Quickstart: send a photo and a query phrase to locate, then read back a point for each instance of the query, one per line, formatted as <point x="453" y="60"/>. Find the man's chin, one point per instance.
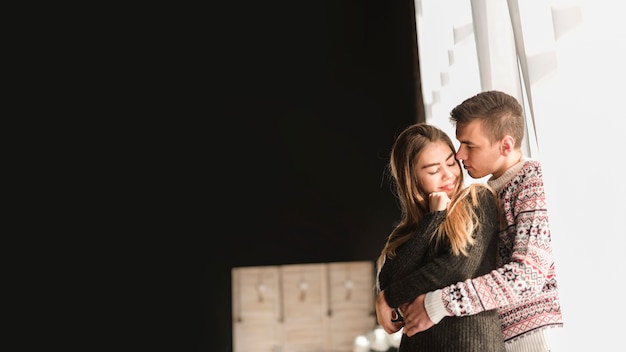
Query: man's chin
<point x="475" y="175"/>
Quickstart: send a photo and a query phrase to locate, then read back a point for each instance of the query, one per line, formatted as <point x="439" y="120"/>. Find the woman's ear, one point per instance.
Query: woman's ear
<point x="507" y="144"/>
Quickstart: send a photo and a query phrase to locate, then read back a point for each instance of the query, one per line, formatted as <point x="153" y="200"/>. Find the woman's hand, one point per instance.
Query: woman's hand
<point x="385" y="315"/>
<point x="438" y="201"/>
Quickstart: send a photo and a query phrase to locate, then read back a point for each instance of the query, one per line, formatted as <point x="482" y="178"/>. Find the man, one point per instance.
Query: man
<point x="490" y="129"/>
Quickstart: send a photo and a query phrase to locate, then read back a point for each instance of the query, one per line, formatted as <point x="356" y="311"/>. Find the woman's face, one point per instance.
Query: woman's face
<point x="437" y="169"/>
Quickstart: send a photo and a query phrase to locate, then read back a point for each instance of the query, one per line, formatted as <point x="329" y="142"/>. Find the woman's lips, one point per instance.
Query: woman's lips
<point x="448" y="187"/>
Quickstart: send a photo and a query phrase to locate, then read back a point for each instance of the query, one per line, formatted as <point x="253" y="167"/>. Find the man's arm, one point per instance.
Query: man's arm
<point x="525" y="250"/>
<point x="447" y="268"/>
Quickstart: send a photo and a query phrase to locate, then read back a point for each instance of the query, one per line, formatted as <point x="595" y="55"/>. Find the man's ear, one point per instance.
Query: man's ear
<point x="507" y="144"/>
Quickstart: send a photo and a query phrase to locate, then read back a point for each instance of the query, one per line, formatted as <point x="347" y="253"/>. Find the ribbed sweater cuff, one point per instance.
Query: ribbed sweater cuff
<point x="434" y="306"/>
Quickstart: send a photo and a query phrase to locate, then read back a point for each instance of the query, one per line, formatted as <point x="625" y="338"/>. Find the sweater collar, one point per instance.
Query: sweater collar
<point x="498" y="183"/>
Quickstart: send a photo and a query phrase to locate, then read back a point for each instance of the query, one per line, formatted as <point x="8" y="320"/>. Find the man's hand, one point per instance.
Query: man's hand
<point x="384" y="315"/>
<point x="415" y="317"/>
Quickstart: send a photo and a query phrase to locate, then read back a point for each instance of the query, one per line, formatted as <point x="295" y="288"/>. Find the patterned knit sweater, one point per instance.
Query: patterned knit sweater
<point x="524" y="287"/>
<point x="419" y="267"/>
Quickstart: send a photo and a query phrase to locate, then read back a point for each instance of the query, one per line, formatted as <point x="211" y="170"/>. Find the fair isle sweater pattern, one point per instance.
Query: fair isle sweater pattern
<point x="524" y="287"/>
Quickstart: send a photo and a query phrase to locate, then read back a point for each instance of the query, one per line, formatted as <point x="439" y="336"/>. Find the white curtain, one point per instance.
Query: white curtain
<point x="565" y="60"/>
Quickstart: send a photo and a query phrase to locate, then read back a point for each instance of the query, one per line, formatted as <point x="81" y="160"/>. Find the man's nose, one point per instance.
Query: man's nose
<point x="460" y="154"/>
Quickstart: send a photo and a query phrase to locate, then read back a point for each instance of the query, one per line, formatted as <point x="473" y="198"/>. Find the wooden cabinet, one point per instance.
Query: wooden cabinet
<point x="351" y="304"/>
<point x="319" y="307"/>
<point x="257" y="309"/>
<point x="305" y="302"/>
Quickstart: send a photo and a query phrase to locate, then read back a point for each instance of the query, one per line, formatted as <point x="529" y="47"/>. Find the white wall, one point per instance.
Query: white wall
<point x="580" y="144"/>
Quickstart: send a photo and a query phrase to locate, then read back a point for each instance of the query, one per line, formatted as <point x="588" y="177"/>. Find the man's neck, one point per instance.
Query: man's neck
<point x="510" y="160"/>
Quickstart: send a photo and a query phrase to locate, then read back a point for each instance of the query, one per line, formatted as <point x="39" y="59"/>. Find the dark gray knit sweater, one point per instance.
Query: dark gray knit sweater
<point x="419" y="268"/>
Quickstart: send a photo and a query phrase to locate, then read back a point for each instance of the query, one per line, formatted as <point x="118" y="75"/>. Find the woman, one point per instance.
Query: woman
<point x="447" y="234"/>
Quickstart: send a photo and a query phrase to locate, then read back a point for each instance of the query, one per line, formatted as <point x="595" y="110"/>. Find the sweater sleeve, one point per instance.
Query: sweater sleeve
<point x="525" y="250"/>
<point x="446" y="268"/>
<point x="410" y="254"/>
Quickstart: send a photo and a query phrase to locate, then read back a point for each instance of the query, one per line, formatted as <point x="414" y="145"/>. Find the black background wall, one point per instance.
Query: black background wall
<point x="311" y="96"/>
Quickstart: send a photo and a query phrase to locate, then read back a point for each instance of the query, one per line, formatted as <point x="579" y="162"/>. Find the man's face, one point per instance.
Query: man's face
<point x="480" y="158"/>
